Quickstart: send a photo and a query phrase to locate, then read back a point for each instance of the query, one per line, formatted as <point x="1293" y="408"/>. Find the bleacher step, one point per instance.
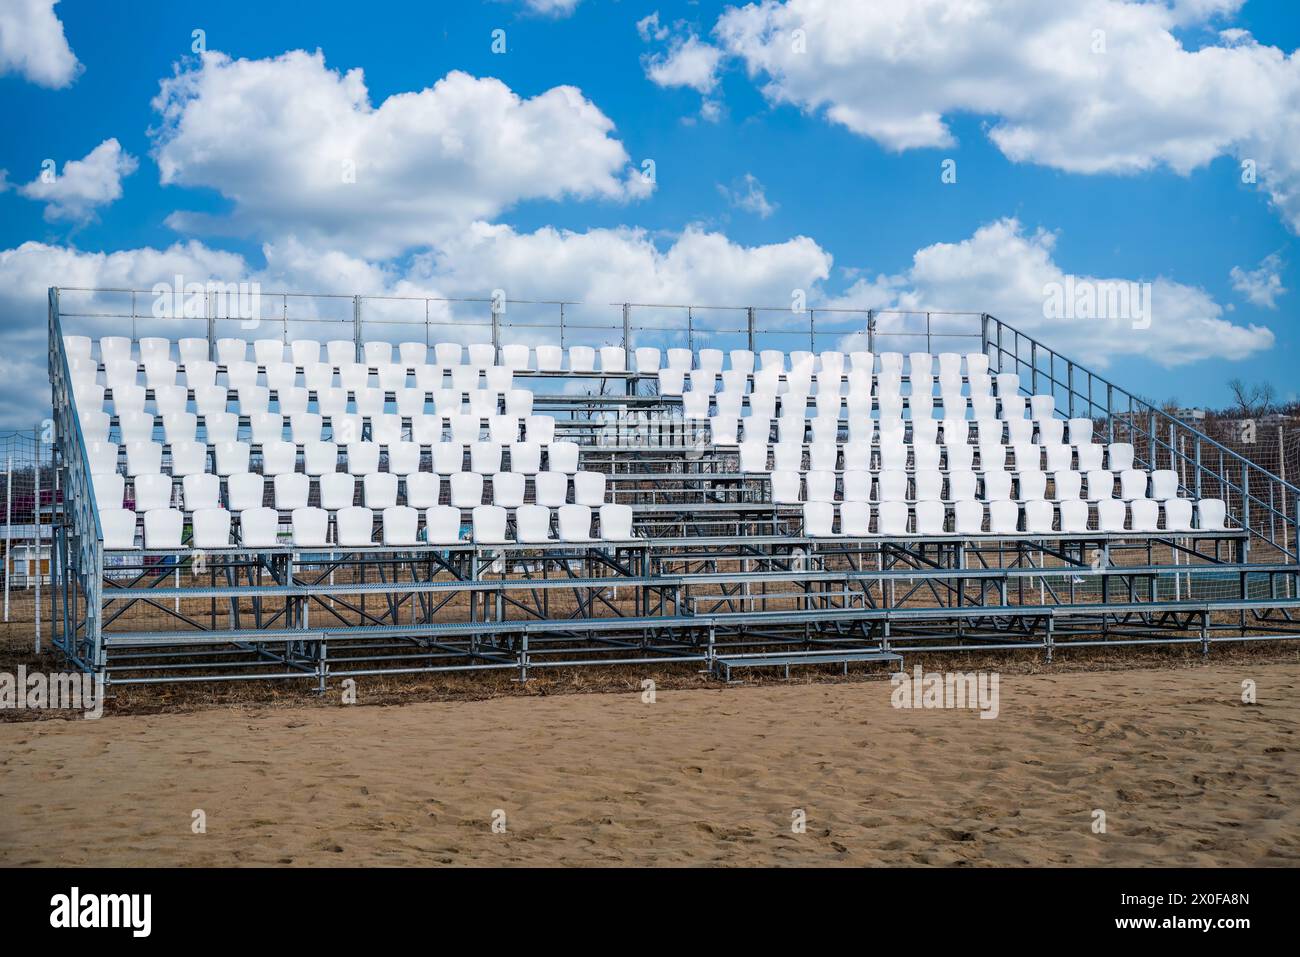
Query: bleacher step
<point x="724" y="664"/>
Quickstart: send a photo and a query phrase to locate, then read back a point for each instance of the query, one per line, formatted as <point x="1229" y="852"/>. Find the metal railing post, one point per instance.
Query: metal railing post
<point x="356" y="325"/>
<point x="871" y="331"/>
<point x="749" y="327"/>
<point x="627" y="327"/>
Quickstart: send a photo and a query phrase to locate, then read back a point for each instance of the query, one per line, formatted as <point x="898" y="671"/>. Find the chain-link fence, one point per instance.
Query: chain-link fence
<point x="29" y="496"/>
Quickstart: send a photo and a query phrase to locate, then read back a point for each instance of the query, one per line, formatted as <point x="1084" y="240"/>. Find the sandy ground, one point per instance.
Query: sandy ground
<point x="1185" y="773"/>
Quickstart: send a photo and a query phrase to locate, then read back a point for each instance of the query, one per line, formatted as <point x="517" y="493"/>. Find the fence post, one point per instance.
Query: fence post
<point x="356" y="325"/>
<point x="871" y="331"/>
<point x="627" y="328"/>
<point x="36" y="447"/>
<point x="749" y="326"/>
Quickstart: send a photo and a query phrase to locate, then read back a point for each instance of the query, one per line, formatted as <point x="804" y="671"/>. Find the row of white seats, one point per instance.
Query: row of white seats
<point x="726" y="430"/>
<point x="996" y="485"/>
<point x="858" y="455"/>
<point x="354" y="527"/>
<point x="306" y="427"/>
<point x="252" y="399"/>
<point x="549" y="358"/>
<point x="771" y="382"/>
<point x="320" y="458"/>
<point x="335" y="490"/>
<point x="1010" y="518"/>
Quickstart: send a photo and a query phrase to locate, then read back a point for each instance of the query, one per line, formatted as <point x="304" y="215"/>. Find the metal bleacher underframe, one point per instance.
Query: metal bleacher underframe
<point x="719" y="577"/>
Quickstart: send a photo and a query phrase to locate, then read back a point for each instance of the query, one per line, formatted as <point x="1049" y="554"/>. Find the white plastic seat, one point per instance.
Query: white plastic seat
<point x="1101" y="484"/>
<point x="201" y="490"/>
<point x="377" y="353"/>
<point x="818" y="519"/>
<point x="1164" y="484"/>
<point x="412" y="354"/>
<point x="466" y="489"/>
<point x="785" y="488"/>
<point x="118" y="527"/>
<point x="128" y="398"/>
<point x="426" y="429"/>
<point x="403" y="458"/>
<point x="997" y="485"/>
<point x="1080" y="431"/>
<point x="159" y="373"/>
<point x="152" y="490"/>
<point x="1178" y="514"/>
<point x="968" y="517"/>
<point x="337" y="490"/>
<point x="480" y="355"/>
<point x="959" y="458"/>
<point x="1060" y="458"/>
<point x="533" y="524"/>
<point x="142" y="458"/>
<point x="519" y="403"/>
<point x="379" y="489"/>
<point x="1004" y="517"/>
<point x="490" y="525"/>
<point x="241" y="375"/>
<point x="245" y="490"/>
<point x="1111" y="515"/>
<point x="961" y="485"/>
<point x="525" y="457"/>
<point x="821" y="486"/>
<point x="672" y="380"/>
<point x="422" y="489"/>
<point x="855" y="519"/>
<point x="857" y="454"/>
<point x="94" y="426"/>
<point x="892" y="485"/>
<point x="508" y="489"/>
<point x="109" y="489"/>
<point x="401" y="526"/>
<point x="929" y="484"/>
<point x="1014" y="407"/>
<point x="310" y="527"/>
<point x="162" y="528"/>
<point x="260" y="528"/>
<point x="616" y="523"/>
<point x="574" y="523"/>
<point x="135" y="427"/>
<point x="1133" y="484"/>
<point x="1211" y="514"/>
<point x="1041" y="407"/>
<point x="1040" y="517"/>
<point x="363" y="458"/>
<point x="1066" y="485"/>
<point x="291" y="490"/>
<point x="549" y="358"/>
<point x="465" y="429"/>
<point x="211" y="528"/>
<point x="753" y="456"/>
<point x="540" y="429"/>
<point x="613" y="359"/>
<point x="442" y="525"/>
<point x="1032" y="485"/>
<point x="448" y="457"/>
<point x="354" y="526"/>
<point x="823" y="456"/>
<point x="695" y="404"/>
<point x="647" y="360"/>
<point x="447" y="354"/>
<point x="1090" y="456"/>
<point x="562" y="457"/>
<point x="320" y="458"/>
<point x="589" y="488"/>
<point x="1144" y="515"/>
<point x="485" y="457"/>
<point x="551" y="488"/>
<point x="787" y="456"/>
<point x="483" y="403"/>
<point x="514" y="356"/>
<point x="930" y="516"/>
<point x="1051" y="432"/>
<point x="1119" y="456"/>
<point x="892" y="517"/>
<point x="857" y="486"/>
<point x="723" y="429"/>
<point x="1074" y="516"/>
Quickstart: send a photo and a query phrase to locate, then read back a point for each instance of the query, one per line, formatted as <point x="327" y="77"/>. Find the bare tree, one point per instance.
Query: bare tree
<point x="1253" y="401"/>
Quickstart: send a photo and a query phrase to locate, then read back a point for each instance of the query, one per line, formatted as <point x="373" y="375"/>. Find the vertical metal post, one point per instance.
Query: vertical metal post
<point x="929" y="347"/>
<point x="356" y="325"/>
<point x="871" y="331"/>
<point x="984" y="333"/>
<point x="1033" y="366"/>
<point x="561" y="325"/>
<point x="36" y="447"/>
<point x="212" y="326"/>
<point x="496" y="325"/>
<point x="627" y="328"/>
<point x="9" y="527"/>
<point x="749" y="327"/>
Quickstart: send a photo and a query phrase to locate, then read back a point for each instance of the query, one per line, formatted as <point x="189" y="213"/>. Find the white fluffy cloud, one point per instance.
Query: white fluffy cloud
<point x="748" y="194"/>
<point x="1007" y="272"/>
<point x="32" y="44"/>
<point x="85" y="184"/>
<point x="1086" y="86"/>
<point x="552" y="8"/>
<point x="299" y="150"/>
<point x="1262" y="285"/>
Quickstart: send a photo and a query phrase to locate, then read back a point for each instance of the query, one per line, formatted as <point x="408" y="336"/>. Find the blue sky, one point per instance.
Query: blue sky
<point x="868" y="205"/>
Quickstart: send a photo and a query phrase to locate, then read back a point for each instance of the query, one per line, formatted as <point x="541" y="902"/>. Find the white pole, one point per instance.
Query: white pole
<point x="9" y="526"/>
<point x="37" y="606"/>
